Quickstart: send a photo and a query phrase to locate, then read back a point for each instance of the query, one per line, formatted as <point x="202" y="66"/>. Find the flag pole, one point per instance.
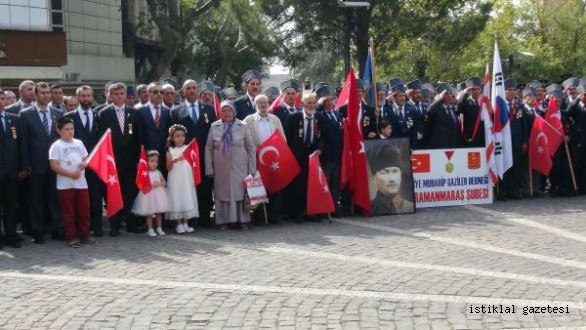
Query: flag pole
<point x="571" y="166"/>
<point x="264" y="208"/>
<point x="330" y="218"/>
<point x="530" y="179"/>
<point x="91" y="155"/>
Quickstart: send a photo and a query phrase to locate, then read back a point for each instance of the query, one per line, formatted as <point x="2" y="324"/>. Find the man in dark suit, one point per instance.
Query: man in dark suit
<point x="156" y="120"/>
<point x="86" y="129"/>
<point x="469" y="108"/>
<point x="126" y="127"/>
<point x="245" y="104"/>
<point x="12" y="159"/>
<point x="404" y="118"/>
<point x="333" y="142"/>
<point x="369" y="128"/>
<point x="414" y="99"/>
<point x="441" y="124"/>
<point x="39" y="132"/>
<point x="26" y="93"/>
<point x="197" y="118"/>
<point x="57" y="96"/>
<point x="303" y="130"/>
<point x="289" y="89"/>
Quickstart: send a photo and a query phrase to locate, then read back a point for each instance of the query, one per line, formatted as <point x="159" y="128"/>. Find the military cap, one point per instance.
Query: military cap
<point x="444" y="87"/>
<point x="557" y="94"/>
<point x="414" y="84"/>
<point x="131" y="90"/>
<point x="383" y="157"/>
<point x="324" y="90"/>
<point x="473" y="81"/>
<point x="217" y="90"/>
<point x="272" y="91"/>
<point x="427" y="86"/>
<point x="206" y="85"/>
<point x="461" y="86"/>
<point x="394" y="82"/>
<point x="290" y="83"/>
<point x="554" y="87"/>
<point x="534" y="84"/>
<point x="425" y="93"/>
<point x="319" y="84"/>
<point x="381" y="86"/>
<point x="171" y="82"/>
<point x="227" y="92"/>
<point x="582" y="81"/>
<point x="400" y="88"/>
<point x="511" y="83"/>
<point x="529" y="91"/>
<point x="359" y="84"/>
<point x="250" y="74"/>
<point x="580" y="89"/>
<point x="571" y="82"/>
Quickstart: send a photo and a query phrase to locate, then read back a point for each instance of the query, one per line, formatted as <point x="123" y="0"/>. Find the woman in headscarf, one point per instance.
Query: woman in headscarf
<point x="230" y="157"/>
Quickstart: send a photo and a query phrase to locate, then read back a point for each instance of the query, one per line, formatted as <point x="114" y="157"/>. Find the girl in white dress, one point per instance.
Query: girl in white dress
<point x="155" y="202"/>
<point x="182" y="194"/>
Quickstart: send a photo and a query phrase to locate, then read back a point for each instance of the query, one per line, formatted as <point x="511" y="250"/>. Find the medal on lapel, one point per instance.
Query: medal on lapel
<point x="205" y="115"/>
<point x="366" y="121"/>
<point x="300" y="129"/>
<point x="13" y="130"/>
<point x="130" y="128"/>
<point x="316" y="130"/>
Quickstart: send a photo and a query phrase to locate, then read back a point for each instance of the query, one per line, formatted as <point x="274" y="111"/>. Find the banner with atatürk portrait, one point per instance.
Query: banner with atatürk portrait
<point x="390" y="178"/>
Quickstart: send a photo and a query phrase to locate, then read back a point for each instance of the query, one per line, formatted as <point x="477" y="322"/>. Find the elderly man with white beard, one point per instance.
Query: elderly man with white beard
<point x="262" y="125"/>
<point x="303" y="130"/>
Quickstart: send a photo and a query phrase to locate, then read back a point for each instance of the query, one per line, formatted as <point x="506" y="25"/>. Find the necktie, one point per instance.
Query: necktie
<point x="120" y="115"/>
<point x="308" y="131"/>
<point x="157" y="116"/>
<point x="194" y="114"/>
<point x="3" y="128"/>
<point x="87" y="121"/>
<point x="401" y="113"/>
<point x="331" y="116"/>
<point x="451" y="114"/>
<point x="291" y="110"/>
<point x="45" y="122"/>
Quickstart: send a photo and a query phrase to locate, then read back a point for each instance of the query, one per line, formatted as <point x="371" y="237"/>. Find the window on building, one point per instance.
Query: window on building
<point x="25" y="15"/>
<point x="57" y="15"/>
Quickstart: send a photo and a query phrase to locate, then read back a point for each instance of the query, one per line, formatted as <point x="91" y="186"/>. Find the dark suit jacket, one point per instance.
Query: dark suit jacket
<point x="36" y="140"/>
<point x="471" y="112"/>
<point x="243" y="107"/>
<point x="155" y="138"/>
<point x="282" y="111"/>
<point x="126" y="144"/>
<point x="441" y="131"/>
<point x="295" y="135"/>
<point x="368" y="118"/>
<point x="200" y="130"/>
<point x="89" y="139"/>
<point x="408" y="126"/>
<point x="333" y="138"/>
<point x="519" y="124"/>
<point x="14" y="108"/>
<point x="13" y="153"/>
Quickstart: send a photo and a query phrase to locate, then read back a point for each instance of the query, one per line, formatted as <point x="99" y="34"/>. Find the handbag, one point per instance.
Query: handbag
<point x="246" y="204"/>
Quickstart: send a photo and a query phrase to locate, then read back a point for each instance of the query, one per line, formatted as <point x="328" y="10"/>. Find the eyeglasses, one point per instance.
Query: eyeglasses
<point x="169" y="93"/>
<point x="156" y="91"/>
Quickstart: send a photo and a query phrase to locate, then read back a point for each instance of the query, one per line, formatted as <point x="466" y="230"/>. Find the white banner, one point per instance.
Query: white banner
<point x="446" y="177"/>
<point x="255" y="189"/>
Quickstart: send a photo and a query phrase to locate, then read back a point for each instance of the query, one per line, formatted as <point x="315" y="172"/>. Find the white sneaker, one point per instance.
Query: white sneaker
<point x="180" y="229"/>
<point x="151" y="233"/>
<point x="160" y="232"/>
<point x="187" y="228"/>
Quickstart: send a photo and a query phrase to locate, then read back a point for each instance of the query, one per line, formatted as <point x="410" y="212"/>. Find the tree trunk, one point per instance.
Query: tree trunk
<point x="362" y="40"/>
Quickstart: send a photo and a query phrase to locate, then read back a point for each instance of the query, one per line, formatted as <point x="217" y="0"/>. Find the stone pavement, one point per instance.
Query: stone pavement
<point x="432" y="269"/>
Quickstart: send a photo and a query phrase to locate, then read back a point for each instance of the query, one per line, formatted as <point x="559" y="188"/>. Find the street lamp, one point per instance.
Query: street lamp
<point x="349" y="5"/>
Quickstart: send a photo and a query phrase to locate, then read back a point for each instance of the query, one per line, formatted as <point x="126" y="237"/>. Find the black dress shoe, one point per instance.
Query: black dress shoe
<point x="114" y="232"/>
<point x="98" y="232"/>
<point x="14" y="244"/>
<point x="39" y="238"/>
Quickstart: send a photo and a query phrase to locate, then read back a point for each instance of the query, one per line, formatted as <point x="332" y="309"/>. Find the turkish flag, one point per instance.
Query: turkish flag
<point x="421" y="163"/>
<point x="217" y="105"/>
<point x="360" y="189"/>
<point x="276" y="163"/>
<point x="344" y="94"/>
<point x="191" y="155"/>
<point x="553" y="117"/>
<point x="101" y="161"/>
<point x="143" y="180"/>
<point x="346" y="166"/>
<point x="298" y="100"/>
<point x="539" y="156"/>
<point x="319" y="198"/>
<point x="275" y="104"/>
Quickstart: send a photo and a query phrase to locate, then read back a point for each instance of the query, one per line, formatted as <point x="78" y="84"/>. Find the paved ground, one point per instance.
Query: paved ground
<point x="427" y="270"/>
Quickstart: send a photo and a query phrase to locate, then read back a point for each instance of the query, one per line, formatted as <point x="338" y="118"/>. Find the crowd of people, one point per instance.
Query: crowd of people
<point x="45" y="137"/>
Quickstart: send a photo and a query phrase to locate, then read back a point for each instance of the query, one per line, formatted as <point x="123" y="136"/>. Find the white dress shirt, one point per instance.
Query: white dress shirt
<point x="305" y="116"/>
<point x="82" y="112"/>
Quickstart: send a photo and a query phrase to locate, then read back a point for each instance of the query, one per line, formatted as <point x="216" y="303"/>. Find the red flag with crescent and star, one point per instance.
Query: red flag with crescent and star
<point x="539" y="156"/>
<point x="191" y="155"/>
<point x="319" y="198"/>
<point x="359" y="178"/>
<point x="143" y="180"/>
<point x="276" y="103"/>
<point x="276" y="163"/>
<point x="101" y="161"/>
<point x="553" y="117"/>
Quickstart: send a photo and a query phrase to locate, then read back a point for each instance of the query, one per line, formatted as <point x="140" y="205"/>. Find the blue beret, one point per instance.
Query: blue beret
<point x="554" y="87"/>
<point x="400" y="88"/>
<point x="415" y="84"/>
<point x="324" y="90"/>
<point x="272" y="91"/>
<point x="227" y="92"/>
<point x="571" y="82"/>
<point x="534" y="83"/>
<point x="381" y="86"/>
<point x="529" y="91"/>
<point x="131" y="90"/>
<point x="394" y="82"/>
<point x="425" y="93"/>
<point x="206" y="85"/>
<point x="511" y="83"/>
<point x="444" y="87"/>
<point x="473" y="81"/>
<point x="291" y="83"/>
